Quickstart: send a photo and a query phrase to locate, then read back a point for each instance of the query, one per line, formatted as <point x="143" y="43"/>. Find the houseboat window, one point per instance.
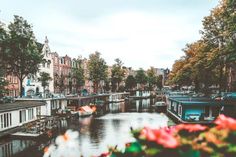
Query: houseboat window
<point x="22" y="116"/>
<point x="169" y="106"/>
<point x="5" y="120"/>
<point x="30" y="114"/>
<point x="180" y="110"/>
<point x="1" y="118"/>
<point x="175" y="107"/>
<point x="38" y="111"/>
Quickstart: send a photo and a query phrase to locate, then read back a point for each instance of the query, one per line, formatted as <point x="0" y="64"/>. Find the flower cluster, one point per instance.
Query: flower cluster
<point x="66" y="145"/>
<point x="183" y="140"/>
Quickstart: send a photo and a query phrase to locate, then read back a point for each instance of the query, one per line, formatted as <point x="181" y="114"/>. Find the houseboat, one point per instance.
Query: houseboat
<point x="52" y="105"/>
<point x="14" y="115"/>
<point x="160" y="106"/>
<point x="85" y="106"/>
<point x="141" y="95"/>
<point x="118" y="97"/>
<point x="196" y="109"/>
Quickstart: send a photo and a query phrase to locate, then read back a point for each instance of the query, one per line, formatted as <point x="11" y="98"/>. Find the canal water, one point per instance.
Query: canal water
<point x="95" y="133"/>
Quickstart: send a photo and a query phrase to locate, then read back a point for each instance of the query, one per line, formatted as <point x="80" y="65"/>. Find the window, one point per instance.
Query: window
<point x="175" y="106"/>
<point x="169" y="105"/>
<point x="62" y="60"/>
<point x="22" y="116"/>
<point x="5" y="120"/>
<point x="38" y="111"/>
<point x="180" y="110"/>
<point x="30" y="114"/>
<point x="48" y="64"/>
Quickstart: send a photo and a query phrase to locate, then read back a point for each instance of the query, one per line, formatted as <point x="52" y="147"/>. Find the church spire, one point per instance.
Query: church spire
<point x="46" y="40"/>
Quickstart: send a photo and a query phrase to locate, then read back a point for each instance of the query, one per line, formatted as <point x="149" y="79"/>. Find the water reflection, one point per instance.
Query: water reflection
<point x="10" y="147"/>
<point x="97" y="133"/>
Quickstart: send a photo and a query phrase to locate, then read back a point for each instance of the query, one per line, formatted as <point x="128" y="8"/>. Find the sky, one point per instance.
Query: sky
<point x="142" y="33"/>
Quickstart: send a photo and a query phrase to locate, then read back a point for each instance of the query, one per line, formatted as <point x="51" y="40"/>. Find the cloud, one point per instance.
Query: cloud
<point x="139" y="39"/>
<point x="138" y="36"/>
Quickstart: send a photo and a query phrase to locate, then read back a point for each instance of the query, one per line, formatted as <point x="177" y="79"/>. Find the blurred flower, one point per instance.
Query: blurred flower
<point x="191" y="127"/>
<point x="211" y="137"/>
<point x="224" y="122"/>
<point x="65" y="145"/>
<point x="160" y="136"/>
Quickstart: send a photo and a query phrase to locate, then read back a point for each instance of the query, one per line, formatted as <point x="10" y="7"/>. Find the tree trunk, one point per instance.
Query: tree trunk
<point x="221" y="79"/>
<point x="95" y="87"/>
<point x="21" y="87"/>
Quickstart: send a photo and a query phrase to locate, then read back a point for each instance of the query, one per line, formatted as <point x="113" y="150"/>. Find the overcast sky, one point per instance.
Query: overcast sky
<point x="142" y="33"/>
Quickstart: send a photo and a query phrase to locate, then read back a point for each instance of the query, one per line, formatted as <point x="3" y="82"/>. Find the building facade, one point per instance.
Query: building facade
<point x="13" y="86"/>
<point x="32" y="86"/>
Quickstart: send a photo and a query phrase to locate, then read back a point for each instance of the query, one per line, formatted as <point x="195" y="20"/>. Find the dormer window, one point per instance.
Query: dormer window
<point x="48" y="64"/>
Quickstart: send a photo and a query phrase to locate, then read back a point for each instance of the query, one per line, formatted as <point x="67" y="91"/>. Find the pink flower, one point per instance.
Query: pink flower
<point x="160" y="136"/>
<point x="224" y="122"/>
<point x="191" y="127"/>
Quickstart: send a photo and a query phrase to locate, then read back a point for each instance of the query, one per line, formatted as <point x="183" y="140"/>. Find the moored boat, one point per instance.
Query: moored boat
<point x="160" y="106"/>
<point x="196" y="109"/>
<point x="86" y="110"/>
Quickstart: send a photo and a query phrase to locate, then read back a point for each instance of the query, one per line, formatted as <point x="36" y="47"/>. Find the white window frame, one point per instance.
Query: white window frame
<point x="30" y="113"/>
<point x="21" y="118"/>
<point x="5" y="120"/>
<point x="175" y="106"/>
<point x="180" y="108"/>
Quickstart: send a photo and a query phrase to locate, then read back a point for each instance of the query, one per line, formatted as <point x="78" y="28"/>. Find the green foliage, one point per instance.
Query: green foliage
<point x="78" y="75"/>
<point x="141" y="77"/>
<point x="183" y="140"/>
<point x="117" y="74"/>
<point x="130" y="82"/>
<point x="3" y="82"/>
<point x="44" y="79"/>
<point x="151" y="78"/>
<point x="97" y="69"/>
<point x="20" y="51"/>
<point x="206" y="62"/>
<point x="159" y="81"/>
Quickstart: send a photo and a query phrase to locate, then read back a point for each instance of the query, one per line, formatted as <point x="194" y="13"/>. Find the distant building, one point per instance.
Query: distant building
<point x="31" y="84"/>
<point x="88" y="86"/>
<point x="13" y="86"/>
<point x="164" y="73"/>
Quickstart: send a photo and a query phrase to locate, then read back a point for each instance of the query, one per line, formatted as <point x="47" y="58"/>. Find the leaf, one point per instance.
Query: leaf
<point x="134" y="147"/>
<point x="190" y="153"/>
<point x="152" y="151"/>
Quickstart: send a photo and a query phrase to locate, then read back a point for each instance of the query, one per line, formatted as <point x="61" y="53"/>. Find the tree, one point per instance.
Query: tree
<point x="141" y="77"/>
<point x="117" y="74"/>
<point x="159" y="82"/>
<point x="44" y="79"/>
<point x="78" y="75"/>
<point x="21" y="54"/>
<point x="130" y="82"/>
<point x="151" y="78"/>
<point x="106" y="86"/>
<point x="97" y="69"/>
<point x="3" y="82"/>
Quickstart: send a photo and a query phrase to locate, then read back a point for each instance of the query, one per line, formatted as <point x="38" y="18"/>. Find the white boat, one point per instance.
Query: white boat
<point x="160" y="106"/>
<point x="86" y="111"/>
